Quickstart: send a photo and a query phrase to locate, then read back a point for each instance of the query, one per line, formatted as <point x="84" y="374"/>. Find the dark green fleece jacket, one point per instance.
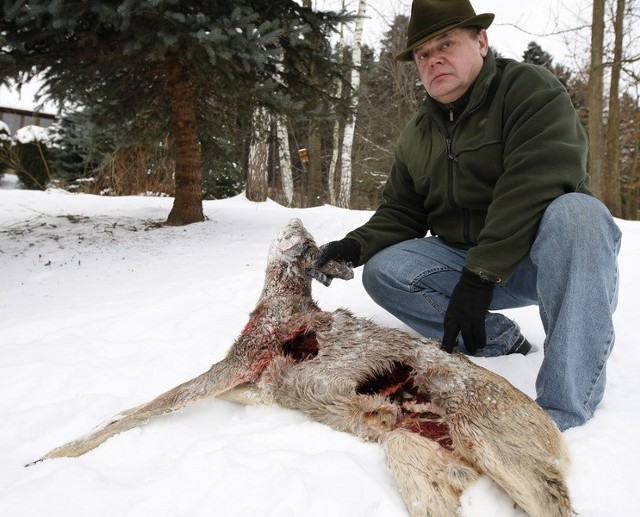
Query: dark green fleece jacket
<point x="483" y="181"/>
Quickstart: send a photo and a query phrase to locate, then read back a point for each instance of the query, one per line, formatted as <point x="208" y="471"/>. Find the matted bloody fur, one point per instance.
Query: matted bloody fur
<point x="443" y="420"/>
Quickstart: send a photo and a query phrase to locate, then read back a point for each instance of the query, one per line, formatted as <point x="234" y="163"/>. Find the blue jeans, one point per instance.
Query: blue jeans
<point x="570" y="273"/>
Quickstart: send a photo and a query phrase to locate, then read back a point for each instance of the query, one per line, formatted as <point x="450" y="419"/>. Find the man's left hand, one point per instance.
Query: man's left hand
<point x="467" y="312"/>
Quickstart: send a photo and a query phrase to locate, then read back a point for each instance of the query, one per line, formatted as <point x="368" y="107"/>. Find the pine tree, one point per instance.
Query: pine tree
<point x="148" y="66"/>
<point x="536" y="56"/>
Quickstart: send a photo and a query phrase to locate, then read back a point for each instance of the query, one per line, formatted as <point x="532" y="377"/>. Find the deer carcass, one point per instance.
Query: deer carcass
<point x="442" y="419"/>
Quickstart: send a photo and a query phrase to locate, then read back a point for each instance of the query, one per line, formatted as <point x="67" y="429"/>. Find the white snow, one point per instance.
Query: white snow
<point x="101" y="311"/>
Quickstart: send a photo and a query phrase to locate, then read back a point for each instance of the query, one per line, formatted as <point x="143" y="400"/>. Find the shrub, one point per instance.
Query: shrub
<point x="5" y="146"/>
<point x="29" y="157"/>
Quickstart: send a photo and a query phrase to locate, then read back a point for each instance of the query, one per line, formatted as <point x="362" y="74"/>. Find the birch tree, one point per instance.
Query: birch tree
<point x="336" y="128"/>
<point x="344" y="195"/>
<point x="257" y="167"/>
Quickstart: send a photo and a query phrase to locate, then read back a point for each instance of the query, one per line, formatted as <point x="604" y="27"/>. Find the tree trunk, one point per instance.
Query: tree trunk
<point x="344" y="196"/>
<point x="315" y="187"/>
<point x="634" y="195"/>
<point x="284" y="152"/>
<point x="187" y="204"/>
<point x="314" y="191"/>
<point x="335" y="155"/>
<point x="595" y="86"/>
<point x="612" y="185"/>
<point x="333" y="167"/>
<point x="284" y="155"/>
<point x="258" y="167"/>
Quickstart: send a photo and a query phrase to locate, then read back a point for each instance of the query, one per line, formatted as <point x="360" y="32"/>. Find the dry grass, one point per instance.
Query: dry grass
<point x="134" y="171"/>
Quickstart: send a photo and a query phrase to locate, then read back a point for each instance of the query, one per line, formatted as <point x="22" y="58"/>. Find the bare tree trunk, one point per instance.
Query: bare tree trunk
<point x="632" y="197"/>
<point x="314" y="194"/>
<point x="187" y="204"/>
<point x="333" y="199"/>
<point x="344" y="196"/>
<point x="258" y="166"/>
<point x="284" y="154"/>
<point x="596" y="102"/>
<point x="333" y="168"/>
<point x="315" y="187"/>
<point x="612" y="178"/>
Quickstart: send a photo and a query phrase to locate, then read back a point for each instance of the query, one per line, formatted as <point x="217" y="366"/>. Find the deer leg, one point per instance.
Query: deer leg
<point x="533" y="478"/>
<point x="248" y="394"/>
<point x="503" y="433"/>
<point x="429" y="478"/>
<point x="220" y="378"/>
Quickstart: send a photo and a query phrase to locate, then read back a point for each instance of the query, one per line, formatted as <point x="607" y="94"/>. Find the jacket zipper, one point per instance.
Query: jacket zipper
<point x="452" y="159"/>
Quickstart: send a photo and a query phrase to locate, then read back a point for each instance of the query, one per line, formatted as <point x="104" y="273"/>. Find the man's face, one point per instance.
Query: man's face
<point x="448" y="64"/>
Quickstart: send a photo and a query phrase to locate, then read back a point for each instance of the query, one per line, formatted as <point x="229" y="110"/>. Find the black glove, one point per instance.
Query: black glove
<point x="345" y="250"/>
<point x="467" y="311"/>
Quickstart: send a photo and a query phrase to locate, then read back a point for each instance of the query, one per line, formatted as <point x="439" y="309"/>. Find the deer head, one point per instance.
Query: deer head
<point x="290" y="263"/>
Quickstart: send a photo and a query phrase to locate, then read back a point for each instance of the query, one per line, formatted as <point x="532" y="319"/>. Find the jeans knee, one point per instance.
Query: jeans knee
<point x="573" y="208"/>
<point x="373" y="273"/>
<point x="369" y="276"/>
<point x="580" y="218"/>
<point x="381" y="276"/>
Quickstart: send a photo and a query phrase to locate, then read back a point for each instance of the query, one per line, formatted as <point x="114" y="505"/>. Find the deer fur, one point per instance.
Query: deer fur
<point x="443" y="420"/>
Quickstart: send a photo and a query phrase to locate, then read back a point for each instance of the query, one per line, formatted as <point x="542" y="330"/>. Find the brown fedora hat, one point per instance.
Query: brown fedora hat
<point x="430" y="18"/>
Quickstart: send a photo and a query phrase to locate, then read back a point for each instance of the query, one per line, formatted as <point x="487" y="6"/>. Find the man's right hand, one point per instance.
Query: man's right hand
<point x="346" y="251"/>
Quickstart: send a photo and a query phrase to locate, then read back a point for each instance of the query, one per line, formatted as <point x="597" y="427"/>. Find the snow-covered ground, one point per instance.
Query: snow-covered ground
<point x="102" y="310"/>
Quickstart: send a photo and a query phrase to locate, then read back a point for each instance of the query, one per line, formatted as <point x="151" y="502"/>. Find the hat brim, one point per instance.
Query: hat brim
<point x="481" y="20"/>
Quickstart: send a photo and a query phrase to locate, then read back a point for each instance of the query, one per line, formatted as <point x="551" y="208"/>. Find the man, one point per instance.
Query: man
<point x="493" y="166"/>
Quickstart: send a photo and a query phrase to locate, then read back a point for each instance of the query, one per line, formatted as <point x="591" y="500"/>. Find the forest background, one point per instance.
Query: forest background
<point x="286" y="101"/>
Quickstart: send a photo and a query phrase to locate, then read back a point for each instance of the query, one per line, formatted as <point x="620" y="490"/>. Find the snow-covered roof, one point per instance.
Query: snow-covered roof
<point x="23" y="98"/>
